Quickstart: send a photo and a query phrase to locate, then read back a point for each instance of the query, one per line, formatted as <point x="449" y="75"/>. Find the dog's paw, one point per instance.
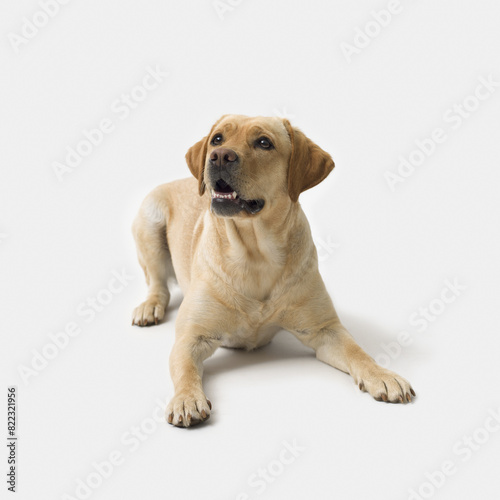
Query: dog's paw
<point x="385" y="385"/>
<point x="186" y="410"/>
<point x="149" y="312"/>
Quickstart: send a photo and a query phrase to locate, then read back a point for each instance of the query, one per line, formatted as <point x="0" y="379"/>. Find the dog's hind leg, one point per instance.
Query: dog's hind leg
<point x="149" y="230"/>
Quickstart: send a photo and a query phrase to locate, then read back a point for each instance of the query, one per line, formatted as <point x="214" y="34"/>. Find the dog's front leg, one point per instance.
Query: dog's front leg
<point x="195" y="342"/>
<point x="189" y="406"/>
<point x="315" y="323"/>
<point x="335" y="346"/>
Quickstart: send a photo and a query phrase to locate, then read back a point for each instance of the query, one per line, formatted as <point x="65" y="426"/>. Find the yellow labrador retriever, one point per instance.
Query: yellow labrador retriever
<point x="240" y="247"/>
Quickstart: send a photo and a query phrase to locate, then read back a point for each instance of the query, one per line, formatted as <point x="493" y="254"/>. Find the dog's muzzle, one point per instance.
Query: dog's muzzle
<point x="223" y="166"/>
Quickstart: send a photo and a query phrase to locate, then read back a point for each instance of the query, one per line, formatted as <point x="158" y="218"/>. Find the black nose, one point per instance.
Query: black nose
<point x="222" y="157"/>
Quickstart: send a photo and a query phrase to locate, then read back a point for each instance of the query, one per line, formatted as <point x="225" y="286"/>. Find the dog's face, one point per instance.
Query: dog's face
<point x="250" y="165"/>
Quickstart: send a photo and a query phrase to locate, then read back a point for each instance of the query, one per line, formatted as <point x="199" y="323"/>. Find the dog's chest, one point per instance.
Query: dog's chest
<point x="247" y="337"/>
<point x="253" y="323"/>
<point x="257" y="286"/>
<point x="255" y="276"/>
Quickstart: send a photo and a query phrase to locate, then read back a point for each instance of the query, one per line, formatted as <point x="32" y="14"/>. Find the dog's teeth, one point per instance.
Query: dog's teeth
<point x="231" y="196"/>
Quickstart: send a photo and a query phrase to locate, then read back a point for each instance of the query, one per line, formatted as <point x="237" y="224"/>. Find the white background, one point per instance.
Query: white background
<point x="384" y="253"/>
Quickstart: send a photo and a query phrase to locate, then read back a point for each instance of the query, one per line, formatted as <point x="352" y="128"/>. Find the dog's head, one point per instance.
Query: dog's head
<point x="251" y="164"/>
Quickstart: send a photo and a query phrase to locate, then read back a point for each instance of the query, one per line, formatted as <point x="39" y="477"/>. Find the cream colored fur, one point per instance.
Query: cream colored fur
<point x="245" y="277"/>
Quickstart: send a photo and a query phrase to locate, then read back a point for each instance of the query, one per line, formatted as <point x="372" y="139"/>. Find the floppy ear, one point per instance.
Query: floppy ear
<point x="308" y="164"/>
<point x="195" y="158"/>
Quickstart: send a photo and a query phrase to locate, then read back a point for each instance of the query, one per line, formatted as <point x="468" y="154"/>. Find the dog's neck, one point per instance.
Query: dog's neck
<point x="256" y="252"/>
<point x="266" y="236"/>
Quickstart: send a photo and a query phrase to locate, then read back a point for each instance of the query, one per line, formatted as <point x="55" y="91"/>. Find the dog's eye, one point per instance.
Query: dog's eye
<point x="216" y="140"/>
<point x="264" y="143"/>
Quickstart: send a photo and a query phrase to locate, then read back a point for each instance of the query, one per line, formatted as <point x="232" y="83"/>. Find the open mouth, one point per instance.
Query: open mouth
<point x="223" y="193"/>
